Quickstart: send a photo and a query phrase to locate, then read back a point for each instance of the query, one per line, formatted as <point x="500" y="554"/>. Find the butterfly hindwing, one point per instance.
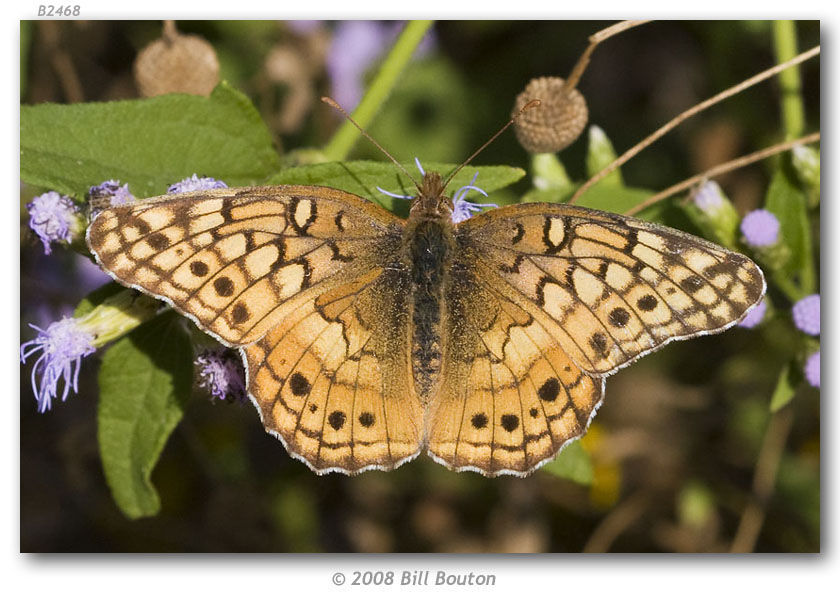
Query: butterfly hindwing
<point x="611" y="288"/>
<point x="234" y="259"/>
<point x="332" y="380"/>
<point x="510" y="397"/>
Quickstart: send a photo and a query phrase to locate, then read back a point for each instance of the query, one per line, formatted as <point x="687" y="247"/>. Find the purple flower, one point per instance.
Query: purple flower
<point x="806" y="314"/>
<point x="812" y="369"/>
<point x="222" y="374"/>
<point x="462" y="209"/>
<point x="355" y="46"/>
<point x="754" y="316"/>
<point x="112" y="192"/>
<point x="51" y="217"/>
<point x="760" y="228"/>
<point x="63" y="345"/>
<point x="709" y="197"/>
<point x="195" y="184"/>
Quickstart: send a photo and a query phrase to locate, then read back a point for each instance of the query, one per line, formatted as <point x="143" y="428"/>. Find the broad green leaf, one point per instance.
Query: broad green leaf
<point x="362" y="178"/>
<point x="619" y="199"/>
<point x="144" y="383"/>
<point x="149" y="143"/>
<point x="789" y="380"/>
<point x="549" y="195"/>
<point x="97" y="297"/>
<point x="573" y="463"/>
<point x="788" y="202"/>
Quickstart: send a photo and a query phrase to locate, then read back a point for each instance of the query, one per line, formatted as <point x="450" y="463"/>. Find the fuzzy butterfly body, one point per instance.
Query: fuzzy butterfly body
<point x="367" y="338"/>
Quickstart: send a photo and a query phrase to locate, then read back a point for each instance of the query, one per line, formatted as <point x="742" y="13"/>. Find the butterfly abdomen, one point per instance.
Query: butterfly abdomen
<point x="429" y="247"/>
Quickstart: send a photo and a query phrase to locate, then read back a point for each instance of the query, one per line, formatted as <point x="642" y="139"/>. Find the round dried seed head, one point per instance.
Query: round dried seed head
<point x="177" y="63"/>
<point x="556" y="122"/>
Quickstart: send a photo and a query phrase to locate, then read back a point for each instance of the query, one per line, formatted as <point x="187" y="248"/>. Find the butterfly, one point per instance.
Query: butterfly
<point x="367" y="338"/>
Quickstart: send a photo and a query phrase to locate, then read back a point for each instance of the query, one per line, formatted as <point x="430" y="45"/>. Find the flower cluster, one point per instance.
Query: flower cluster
<point x="754" y="316"/>
<point x="461" y="208"/>
<point x="53" y="217"/>
<point x="806" y="318"/>
<point x="62" y="345"/>
<point x="812" y="369"/>
<point x="760" y="228"/>
<point x="806" y="314"/>
<point x="222" y="375"/>
<point x="715" y="214"/>
<point x="355" y="46"/>
<point x="110" y="192"/>
<point x="195" y="184"/>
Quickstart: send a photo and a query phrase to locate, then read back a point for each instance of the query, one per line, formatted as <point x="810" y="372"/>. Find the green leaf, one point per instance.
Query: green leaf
<point x="149" y="143"/>
<point x="789" y="380"/>
<point x="619" y="199"/>
<point x="144" y="383"/>
<point x="573" y="463"/>
<point x="599" y="155"/>
<point x="362" y="177"/>
<point x="788" y="202"/>
<point x="97" y="297"/>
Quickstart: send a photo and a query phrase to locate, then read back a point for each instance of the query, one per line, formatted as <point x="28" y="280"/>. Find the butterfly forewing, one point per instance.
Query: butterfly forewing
<point x="611" y="288"/>
<point x="237" y="260"/>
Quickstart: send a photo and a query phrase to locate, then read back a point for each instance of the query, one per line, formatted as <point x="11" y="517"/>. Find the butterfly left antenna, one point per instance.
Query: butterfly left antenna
<point x="532" y="104"/>
<point x="337" y="106"/>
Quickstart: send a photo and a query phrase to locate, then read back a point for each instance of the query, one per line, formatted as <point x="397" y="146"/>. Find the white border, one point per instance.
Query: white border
<point x="290" y="577"/>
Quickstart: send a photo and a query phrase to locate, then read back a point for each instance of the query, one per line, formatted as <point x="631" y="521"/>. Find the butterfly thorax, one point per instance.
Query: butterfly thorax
<point x="429" y="242"/>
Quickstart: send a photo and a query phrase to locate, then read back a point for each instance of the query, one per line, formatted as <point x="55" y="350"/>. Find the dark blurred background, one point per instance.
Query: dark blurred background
<point x="675" y="445"/>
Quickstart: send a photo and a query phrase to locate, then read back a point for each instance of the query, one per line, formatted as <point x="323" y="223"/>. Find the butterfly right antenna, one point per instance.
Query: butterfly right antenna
<point x="532" y="104"/>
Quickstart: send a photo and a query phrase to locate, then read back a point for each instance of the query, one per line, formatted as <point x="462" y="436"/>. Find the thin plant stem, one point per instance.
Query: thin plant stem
<point x="731" y="165"/>
<point x="595" y="39"/>
<point x="616" y="522"/>
<point x="793" y="110"/>
<point x="342" y="142"/>
<point x="689" y="113"/>
<point x="793" y="120"/>
<point x="764" y="480"/>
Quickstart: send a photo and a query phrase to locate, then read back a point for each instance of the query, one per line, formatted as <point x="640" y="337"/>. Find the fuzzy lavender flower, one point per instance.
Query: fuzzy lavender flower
<point x="760" y="228"/>
<point x="812" y="369"/>
<point x="52" y="217"/>
<point x="195" y="184"/>
<point x="222" y="375"/>
<point x="806" y="314"/>
<point x="462" y="209"/>
<point x="709" y="197"/>
<point x="755" y="316"/>
<point x="111" y="192"/>
<point x="62" y="346"/>
<point x="355" y="46"/>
